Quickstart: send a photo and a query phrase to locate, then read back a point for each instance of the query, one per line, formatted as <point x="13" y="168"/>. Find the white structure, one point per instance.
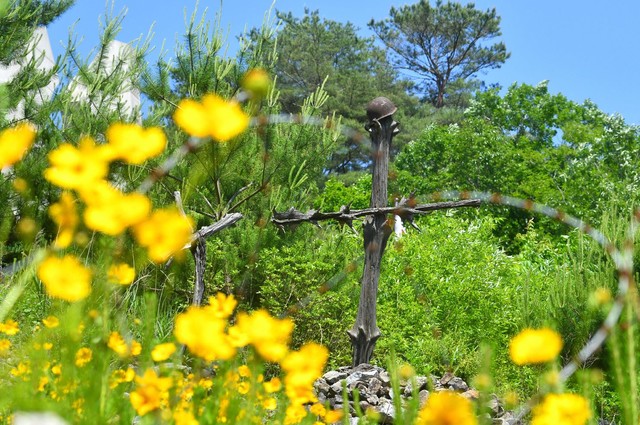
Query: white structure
<point x="118" y="55"/>
<point x="41" y="54"/>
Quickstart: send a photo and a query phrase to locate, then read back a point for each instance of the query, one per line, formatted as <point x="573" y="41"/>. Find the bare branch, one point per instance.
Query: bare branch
<point x="346" y="216"/>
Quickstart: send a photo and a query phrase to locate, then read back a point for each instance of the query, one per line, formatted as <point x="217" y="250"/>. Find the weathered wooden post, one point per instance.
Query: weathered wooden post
<point x="377" y="226"/>
<point x="377" y="229"/>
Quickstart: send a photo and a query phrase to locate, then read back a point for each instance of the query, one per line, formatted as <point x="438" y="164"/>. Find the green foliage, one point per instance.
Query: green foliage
<point x="336" y="193"/>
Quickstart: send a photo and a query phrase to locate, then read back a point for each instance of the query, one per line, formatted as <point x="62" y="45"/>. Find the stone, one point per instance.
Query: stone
<point x="495" y="405"/>
<point x="448" y="376"/>
<point x="372" y="399"/>
<point x="333" y="376"/>
<point x="457" y="384"/>
<point x="387" y="411"/>
<point x="321" y="386"/>
<point x="423" y="396"/>
<point x="375" y="386"/>
<point x="421" y="384"/>
<point x="471" y="394"/>
<point x="336" y="388"/>
<point x="385" y="378"/>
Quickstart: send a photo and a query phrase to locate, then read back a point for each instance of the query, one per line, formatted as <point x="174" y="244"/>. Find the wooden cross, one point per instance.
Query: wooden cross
<point x="377" y="227"/>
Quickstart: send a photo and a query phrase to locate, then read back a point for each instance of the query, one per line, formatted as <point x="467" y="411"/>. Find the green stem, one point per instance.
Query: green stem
<point x="19" y="287"/>
<point x="631" y="358"/>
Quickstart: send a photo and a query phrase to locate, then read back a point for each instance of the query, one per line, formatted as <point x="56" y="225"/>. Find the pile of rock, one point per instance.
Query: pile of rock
<point x="373" y="385"/>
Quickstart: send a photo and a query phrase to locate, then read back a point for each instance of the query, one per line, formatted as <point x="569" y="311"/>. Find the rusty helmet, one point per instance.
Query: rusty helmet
<point x="379" y="108"/>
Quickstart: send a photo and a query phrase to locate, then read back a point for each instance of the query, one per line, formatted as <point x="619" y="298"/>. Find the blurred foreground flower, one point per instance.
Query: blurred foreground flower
<point x="134" y="144"/>
<point x="213" y="117"/>
<point x="73" y="168"/>
<point x="535" y="346"/>
<point x="447" y="408"/>
<point x="121" y="273"/>
<point x="561" y="409"/>
<point x="162" y="352"/>
<point x="14" y="142"/>
<point x="65" y="278"/>
<point x="269" y="336"/>
<point x="152" y="392"/>
<point x="204" y="334"/>
<point x="10" y="327"/>
<point x="257" y="82"/>
<point x="164" y="233"/>
<point x="64" y="214"/>
<point x="110" y="211"/>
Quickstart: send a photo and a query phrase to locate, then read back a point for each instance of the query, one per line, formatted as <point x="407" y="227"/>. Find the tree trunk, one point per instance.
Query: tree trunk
<point x="377" y="230"/>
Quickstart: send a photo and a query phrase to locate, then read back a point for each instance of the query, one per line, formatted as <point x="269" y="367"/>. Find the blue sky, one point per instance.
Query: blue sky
<point x="586" y="49"/>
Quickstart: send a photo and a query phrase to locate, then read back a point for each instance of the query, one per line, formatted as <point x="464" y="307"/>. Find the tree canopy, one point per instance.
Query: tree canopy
<point x="442" y="44"/>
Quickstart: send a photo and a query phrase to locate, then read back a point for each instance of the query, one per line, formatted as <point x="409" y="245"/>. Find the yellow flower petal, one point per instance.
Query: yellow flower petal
<point x="14" y="142"/>
<point x="65" y="278"/>
<point x="535" y="346"/>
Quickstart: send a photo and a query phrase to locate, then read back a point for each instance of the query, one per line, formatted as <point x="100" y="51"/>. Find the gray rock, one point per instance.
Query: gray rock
<point x="321" y="386"/>
<point x="333" y="376"/>
<point x="375" y="386"/>
<point x="336" y="388"/>
<point x="372" y="399"/>
<point x="457" y="384"/>
<point x="387" y="411"/>
<point x="421" y="384"/>
<point x="423" y="396"/>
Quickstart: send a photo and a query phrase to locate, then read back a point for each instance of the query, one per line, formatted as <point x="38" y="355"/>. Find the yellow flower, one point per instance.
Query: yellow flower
<point x="119" y="376"/>
<point x="270" y="403"/>
<point x="14" y="142"/>
<point x="272" y="386"/>
<point x="269" y="336"/>
<point x="136" y="348"/>
<point x="214" y="116"/>
<point x="73" y="168"/>
<point x="184" y="417"/>
<point x="117" y="343"/>
<point x="10" y="327"/>
<point x="318" y="409"/>
<point x="20" y="185"/>
<point x="151" y="393"/>
<point x="406" y="371"/>
<point x="256" y="82"/>
<point x="135" y="144"/>
<point x="244" y="371"/>
<point x="302" y="369"/>
<point x="5" y="344"/>
<point x="164" y="233"/>
<point x="222" y="306"/>
<point x="121" y="273"/>
<point x="51" y="322"/>
<point x="535" y="346"/>
<point x="203" y="334"/>
<point x="65" y="278"/>
<point x="22" y="369"/>
<point x="447" y="408"/>
<point x="162" y="352"/>
<point x="243" y="387"/>
<point x="333" y="416"/>
<point x="56" y="369"/>
<point x="110" y="211"/>
<point x="47" y="346"/>
<point x="64" y="214"/>
<point x="83" y="356"/>
<point x="561" y="409"/>
<point x="295" y="413"/>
